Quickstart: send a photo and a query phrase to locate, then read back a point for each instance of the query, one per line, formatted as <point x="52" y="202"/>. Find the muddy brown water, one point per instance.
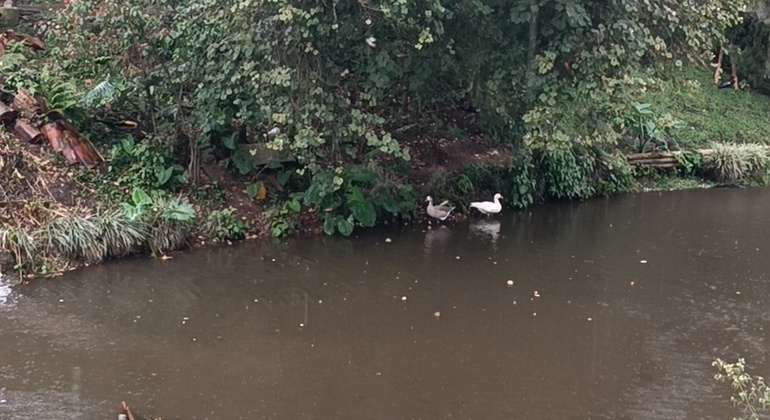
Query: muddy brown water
<point x="333" y="328"/>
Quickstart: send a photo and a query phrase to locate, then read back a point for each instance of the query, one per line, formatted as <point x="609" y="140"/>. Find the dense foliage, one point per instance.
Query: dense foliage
<point x="332" y="85"/>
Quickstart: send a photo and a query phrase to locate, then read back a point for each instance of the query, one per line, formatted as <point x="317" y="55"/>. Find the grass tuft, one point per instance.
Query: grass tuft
<point x="733" y="163"/>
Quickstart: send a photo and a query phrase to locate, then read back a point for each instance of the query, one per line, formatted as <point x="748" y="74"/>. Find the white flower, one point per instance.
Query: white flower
<point x="274" y="132"/>
<point x="371" y="41"/>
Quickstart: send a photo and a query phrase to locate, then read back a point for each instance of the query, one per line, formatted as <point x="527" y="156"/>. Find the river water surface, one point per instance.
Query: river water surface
<point x="616" y="311"/>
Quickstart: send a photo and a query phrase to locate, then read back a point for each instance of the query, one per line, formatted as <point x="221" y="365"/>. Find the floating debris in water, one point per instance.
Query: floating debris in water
<point x="301" y="324"/>
<point x="61" y="300"/>
<point x="437" y="314"/>
<point x="403" y="298"/>
<point x="537" y="294"/>
<point x="510" y="283"/>
<point x="194" y="339"/>
<point x="590" y="319"/>
<point x="632" y="284"/>
<point x="534" y="313"/>
<point x="388" y="240"/>
<point x="643" y="261"/>
<point x="457" y="257"/>
<point x="737" y="293"/>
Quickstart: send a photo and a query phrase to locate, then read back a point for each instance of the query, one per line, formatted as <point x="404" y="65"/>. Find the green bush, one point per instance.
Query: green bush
<point x="223" y="225"/>
<point x="327" y="84"/>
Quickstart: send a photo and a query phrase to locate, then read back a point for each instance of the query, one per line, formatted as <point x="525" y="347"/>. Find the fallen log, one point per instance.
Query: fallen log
<point x="648" y="155"/>
<point x="27" y="132"/>
<point x="653" y="161"/>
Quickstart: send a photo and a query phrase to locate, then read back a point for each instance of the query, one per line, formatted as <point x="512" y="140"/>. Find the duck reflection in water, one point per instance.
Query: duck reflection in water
<point x="436" y="238"/>
<point x="487" y="228"/>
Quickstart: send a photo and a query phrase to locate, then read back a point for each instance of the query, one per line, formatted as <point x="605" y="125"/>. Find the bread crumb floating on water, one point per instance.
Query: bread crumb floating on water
<point x="509" y="283"/>
<point x="437" y="314"/>
<point x="403" y="298"/>
<point x="590" y="319"/>
<point x="388" y="240"/>
<point x="537" y="294"/>
<point x="643" y="261"/>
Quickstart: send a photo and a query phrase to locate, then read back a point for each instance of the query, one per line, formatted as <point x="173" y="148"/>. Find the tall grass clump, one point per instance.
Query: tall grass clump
<point x="120" y="235"/>
<point x="20" y="243"/>
<point x="734" y="163"/>
<point x="74" y="237"/>
<point x="62" y="240"/>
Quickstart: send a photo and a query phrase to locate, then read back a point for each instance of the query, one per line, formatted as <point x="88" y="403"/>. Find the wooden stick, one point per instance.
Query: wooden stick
<point x="126" y="410"/>
<point x="734" y="68"/>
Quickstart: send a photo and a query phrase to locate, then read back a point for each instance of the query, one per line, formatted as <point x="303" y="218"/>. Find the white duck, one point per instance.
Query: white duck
<point x="440" y="212"/>
<point x="489" y="207"/>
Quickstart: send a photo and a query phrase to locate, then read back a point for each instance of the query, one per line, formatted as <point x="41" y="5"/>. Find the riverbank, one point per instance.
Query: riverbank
<point x="153" y="188"/>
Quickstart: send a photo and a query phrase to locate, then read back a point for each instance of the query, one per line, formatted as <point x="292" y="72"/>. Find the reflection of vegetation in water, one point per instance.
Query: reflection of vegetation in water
<point x="750" y="392"/>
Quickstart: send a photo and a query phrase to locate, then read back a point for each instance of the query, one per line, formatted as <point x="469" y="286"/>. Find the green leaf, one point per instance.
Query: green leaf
<point x="330" y="226"/>
<point x="283" y="177"/>
<point x="180" y="211"/>
<point x="252" y="190"/>
<point x="356" y="195"/>
<point x="243" y="162"/>
<point x="164" y="175"/>
<point x="391" y="206"/>
<point x="140" y="198"/>
<point x="294" y="205"/>
<point x="344" y="226"/>
<point x="364" y="212"/>
<point x="229" y="141"/>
